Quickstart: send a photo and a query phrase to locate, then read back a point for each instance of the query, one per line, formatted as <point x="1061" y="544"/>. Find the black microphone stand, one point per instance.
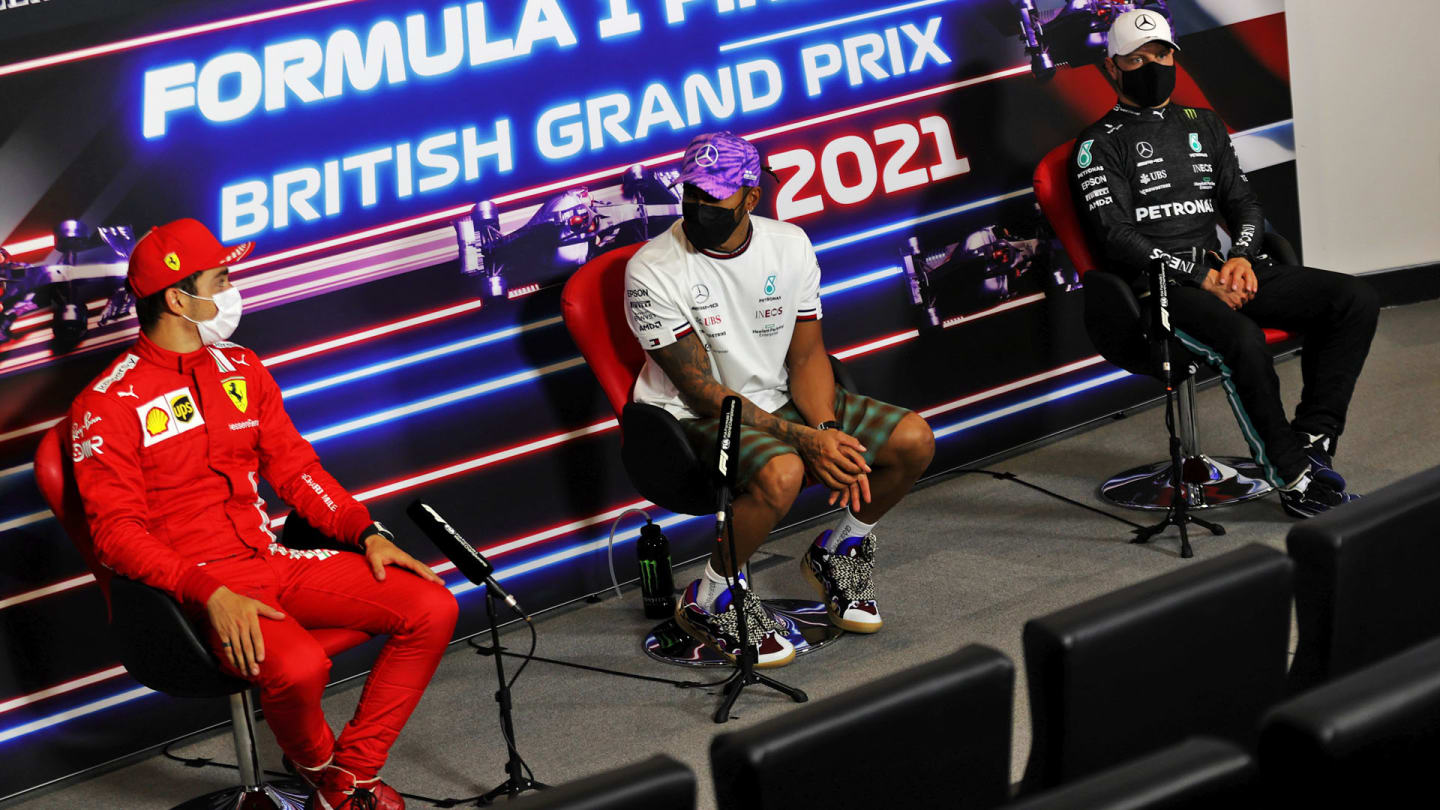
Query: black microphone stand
<point x="744" y="674"/>
<point x="1178" y="514"/>
<point x="515" y="781"/>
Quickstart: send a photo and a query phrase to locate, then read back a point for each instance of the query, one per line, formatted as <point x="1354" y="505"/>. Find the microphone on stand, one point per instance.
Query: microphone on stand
<point x="1160" y="328"/>
<point x="471" y="563"/>
<point x="727" y="457"/>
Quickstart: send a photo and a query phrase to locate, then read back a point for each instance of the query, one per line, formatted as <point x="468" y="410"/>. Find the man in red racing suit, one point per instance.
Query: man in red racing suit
<point x="168" y="443"/>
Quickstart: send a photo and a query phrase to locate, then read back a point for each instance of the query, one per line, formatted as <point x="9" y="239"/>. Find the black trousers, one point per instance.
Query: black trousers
<point x="1336" y="314"/>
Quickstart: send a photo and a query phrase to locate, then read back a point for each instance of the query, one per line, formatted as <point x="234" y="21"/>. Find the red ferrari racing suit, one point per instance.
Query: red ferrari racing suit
<point x="167" y="450"/>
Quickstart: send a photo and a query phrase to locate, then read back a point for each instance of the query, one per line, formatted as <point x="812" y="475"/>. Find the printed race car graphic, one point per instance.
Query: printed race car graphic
<point x="992" y="265"/>
<point x="567" y="230"/>
<point x="91" y="267"/>
<point x="1074" y="33"/>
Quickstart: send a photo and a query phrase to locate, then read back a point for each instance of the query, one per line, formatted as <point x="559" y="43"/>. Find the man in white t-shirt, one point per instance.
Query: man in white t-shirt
<point x="728" y="303"/>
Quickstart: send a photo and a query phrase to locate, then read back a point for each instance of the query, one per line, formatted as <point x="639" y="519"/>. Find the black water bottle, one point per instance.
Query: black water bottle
<point x="657" y="584"/>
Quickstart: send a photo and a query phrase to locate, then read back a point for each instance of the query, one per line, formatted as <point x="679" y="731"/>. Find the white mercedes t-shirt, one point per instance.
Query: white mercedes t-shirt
<point x="744" y="307"/>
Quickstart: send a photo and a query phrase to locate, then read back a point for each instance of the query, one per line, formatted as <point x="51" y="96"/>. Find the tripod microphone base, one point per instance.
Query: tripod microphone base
<point x="742" y="678"/>
<point x="1174" y="518"/>
<point x="511" y="788"/>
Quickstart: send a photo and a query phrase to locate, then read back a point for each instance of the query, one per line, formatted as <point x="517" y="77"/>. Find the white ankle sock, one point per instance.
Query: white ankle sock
<point x="849" y="526"/>
<point x="712" y="585"/>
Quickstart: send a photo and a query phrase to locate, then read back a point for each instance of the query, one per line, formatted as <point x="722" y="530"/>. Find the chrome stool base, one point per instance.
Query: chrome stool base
<point x="284" y="795"/>
<point x="1213" y="482"/>
<point x="808" y="628"/>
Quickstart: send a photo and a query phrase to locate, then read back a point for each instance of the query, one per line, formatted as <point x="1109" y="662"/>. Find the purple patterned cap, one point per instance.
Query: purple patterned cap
<point x="719" y="163"/>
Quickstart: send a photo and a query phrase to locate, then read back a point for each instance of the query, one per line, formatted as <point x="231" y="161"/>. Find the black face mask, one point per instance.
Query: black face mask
<point x="708" y="226"/>
<point x="1148" y="85"/>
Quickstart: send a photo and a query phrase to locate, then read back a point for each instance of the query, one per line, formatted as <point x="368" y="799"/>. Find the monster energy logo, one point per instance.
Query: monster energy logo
<point x="1190" y="113"/>
<point x="650" y="577"/>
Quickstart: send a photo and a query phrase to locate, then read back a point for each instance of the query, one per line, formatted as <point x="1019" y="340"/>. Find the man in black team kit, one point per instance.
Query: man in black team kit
<point x="1152" y="180"/>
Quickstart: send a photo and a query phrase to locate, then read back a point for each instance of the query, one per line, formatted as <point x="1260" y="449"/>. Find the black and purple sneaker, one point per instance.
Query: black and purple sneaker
<point x="1322" y="464"/>
<point x="1312" y="496"/>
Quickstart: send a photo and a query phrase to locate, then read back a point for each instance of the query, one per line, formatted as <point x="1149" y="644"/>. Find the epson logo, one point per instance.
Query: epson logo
<point x="1166" y="210"/>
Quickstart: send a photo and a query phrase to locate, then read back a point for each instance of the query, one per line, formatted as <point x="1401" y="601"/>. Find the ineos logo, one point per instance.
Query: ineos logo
<point x="1145" y="149"/>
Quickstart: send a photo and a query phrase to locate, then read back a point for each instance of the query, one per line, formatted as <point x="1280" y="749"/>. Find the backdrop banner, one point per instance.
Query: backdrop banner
<point x="421" y="177"/>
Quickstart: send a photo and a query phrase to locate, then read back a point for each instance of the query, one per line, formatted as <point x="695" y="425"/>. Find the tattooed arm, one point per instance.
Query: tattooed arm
<point x="687" y="363"/>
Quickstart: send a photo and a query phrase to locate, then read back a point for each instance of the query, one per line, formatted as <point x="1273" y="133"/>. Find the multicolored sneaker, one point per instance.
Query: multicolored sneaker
<point x="720" y="630"/>
<point x="1322" y="464"/>
<point x="843" y="580"/>
<point x="340" y="790"/>
<point x="1311" y="496"/>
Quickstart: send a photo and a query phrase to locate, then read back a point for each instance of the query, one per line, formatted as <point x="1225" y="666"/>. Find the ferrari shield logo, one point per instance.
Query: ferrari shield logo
<point x="172" y="261"/>
<point x="235" y="389"/>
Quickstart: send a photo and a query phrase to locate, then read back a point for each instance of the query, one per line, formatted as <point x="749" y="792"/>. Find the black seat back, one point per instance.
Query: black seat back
<point x="658" y="783"/>
<point x="1113" y="322"/>
<point x="160" y="647"/>
<point x="1198" y="774"/>
<point x="1199" y="651"/>
<point x="1365" y="579"/>
<point x="1368" y="739"/>
<point x="936" y="735"/>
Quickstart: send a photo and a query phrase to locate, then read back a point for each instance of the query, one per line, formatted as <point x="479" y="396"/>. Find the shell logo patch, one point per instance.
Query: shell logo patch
<point x="157" y="421"/>
<point x="168" y="415"/>
<point x="172" y="261"/>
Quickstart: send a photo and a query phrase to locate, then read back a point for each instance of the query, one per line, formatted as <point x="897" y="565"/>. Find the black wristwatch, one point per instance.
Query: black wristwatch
<point x="829" y="424"/>
<point x="377" y="528"/>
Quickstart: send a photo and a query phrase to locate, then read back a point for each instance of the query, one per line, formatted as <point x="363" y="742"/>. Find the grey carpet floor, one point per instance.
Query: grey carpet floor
<point x="967" y="559"/>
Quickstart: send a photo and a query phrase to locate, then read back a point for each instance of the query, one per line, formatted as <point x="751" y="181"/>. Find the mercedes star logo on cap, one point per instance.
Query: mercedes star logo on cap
<point x="1144" y="23"/>
<point x="707" y="157"/>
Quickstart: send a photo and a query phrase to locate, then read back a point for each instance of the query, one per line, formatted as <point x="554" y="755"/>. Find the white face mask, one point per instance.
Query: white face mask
<point x="222" y="326"/>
